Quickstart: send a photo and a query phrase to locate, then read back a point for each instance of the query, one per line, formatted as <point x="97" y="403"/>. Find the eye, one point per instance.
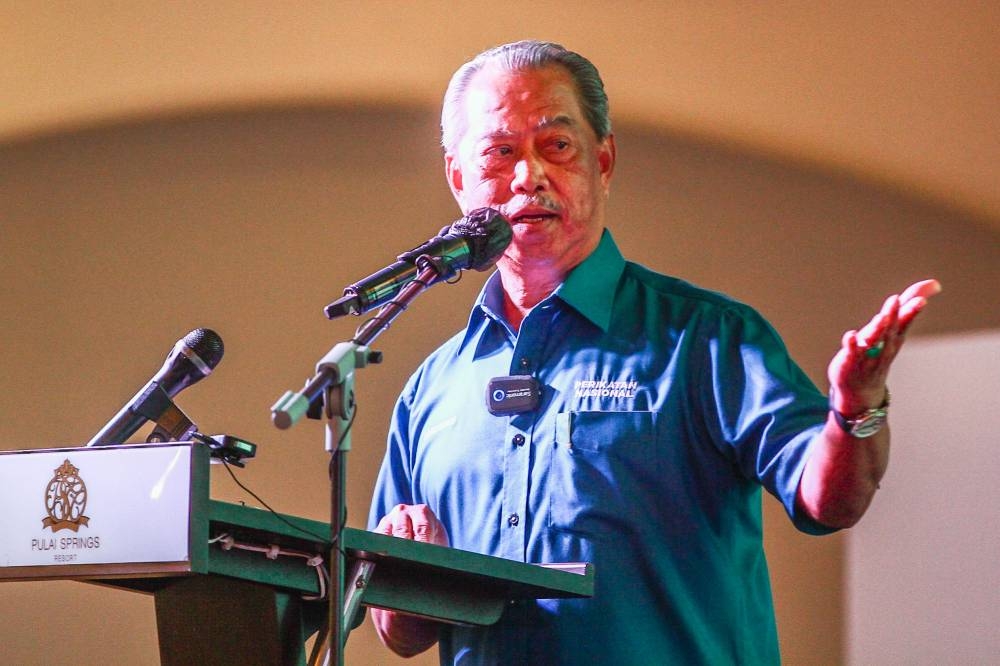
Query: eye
<point x="499" y="151"/>
<point x="559" y="149"/>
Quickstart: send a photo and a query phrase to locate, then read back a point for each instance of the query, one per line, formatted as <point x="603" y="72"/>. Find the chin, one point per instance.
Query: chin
<point x="532" y="256"/>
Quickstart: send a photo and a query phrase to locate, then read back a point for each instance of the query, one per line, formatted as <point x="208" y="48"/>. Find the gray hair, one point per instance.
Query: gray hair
<point x="523" y="55"/>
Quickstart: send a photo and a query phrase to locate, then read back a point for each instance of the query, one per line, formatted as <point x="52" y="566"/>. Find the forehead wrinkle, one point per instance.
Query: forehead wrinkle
<point x="495" y="95"/>
<point x="561" y="120"/>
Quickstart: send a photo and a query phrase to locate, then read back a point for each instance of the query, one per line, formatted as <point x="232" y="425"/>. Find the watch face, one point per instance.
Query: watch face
<point x="868" y="425"/>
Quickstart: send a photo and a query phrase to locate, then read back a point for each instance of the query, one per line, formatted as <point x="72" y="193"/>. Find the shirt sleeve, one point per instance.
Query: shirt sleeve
<point x="763" y="408"/>
<point x="393" y="485"/>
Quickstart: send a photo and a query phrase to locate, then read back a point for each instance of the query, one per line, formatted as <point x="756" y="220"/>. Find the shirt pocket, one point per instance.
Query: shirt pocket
<point x="604" y="472"/>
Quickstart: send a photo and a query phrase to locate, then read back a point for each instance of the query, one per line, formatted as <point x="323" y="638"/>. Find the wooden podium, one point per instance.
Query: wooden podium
<point x="231" y="584"/>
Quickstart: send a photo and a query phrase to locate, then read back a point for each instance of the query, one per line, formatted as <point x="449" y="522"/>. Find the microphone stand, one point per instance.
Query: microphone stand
<point x="333" y="383"/>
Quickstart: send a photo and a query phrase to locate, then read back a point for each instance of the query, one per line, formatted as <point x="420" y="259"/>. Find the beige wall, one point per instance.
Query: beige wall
<point x="119" y="236"/>
<point x="903" y="92"/>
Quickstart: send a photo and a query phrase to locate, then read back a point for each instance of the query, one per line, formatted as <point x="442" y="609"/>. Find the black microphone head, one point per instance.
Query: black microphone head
<point x="191" y="359"/>
<point x="487" y="233"/>
<point x="207" y="344"/>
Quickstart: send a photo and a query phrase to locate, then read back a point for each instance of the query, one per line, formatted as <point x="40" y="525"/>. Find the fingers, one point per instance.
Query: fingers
<point x="415" y="522"/>
<point x="860" y="368"/>
<point x="897" y="313"/>
<point x="857" y="378"/>
<point x="909" y="311"/>
<point x="849" y="342"/>
<point x="923" y="289"/>
<point x="879" y="340"/>
<point x="866" y="354"/>
<point x="875" y="330"/>
<point x="914" y="299"/>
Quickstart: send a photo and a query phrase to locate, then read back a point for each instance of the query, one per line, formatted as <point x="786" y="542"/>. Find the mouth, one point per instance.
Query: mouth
<point x="533" y="217"/>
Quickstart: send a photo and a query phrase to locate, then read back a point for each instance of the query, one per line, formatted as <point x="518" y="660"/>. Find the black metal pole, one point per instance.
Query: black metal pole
<point x="338" y="515"/>
<point x="338" y="415"/>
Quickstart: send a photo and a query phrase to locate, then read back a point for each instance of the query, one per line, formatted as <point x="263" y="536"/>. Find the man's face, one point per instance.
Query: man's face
<point x="528" y="151"/>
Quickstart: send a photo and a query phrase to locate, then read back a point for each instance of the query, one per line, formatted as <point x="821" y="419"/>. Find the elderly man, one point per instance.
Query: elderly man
<point x="662" y="408"/>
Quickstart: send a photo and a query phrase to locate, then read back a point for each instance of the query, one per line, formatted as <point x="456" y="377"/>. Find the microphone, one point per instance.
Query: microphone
<point x="192" y="358"/>
<point x="476" y="241"/>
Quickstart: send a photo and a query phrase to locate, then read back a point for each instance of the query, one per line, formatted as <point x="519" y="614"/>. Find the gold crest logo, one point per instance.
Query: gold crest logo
<point x="66" y="499"/>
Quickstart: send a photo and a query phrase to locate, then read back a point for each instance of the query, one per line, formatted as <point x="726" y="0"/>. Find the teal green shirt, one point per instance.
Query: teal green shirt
<point x="665" y="408"/>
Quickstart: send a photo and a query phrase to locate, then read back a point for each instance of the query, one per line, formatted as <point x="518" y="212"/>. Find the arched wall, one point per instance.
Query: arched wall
<point x="120" y="238"/>
<point x="903" y="93"/>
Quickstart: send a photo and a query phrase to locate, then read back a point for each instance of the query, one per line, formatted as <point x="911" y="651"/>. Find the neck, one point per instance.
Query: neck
<point x="521" y="292"/>
<point x="528" y="280"/>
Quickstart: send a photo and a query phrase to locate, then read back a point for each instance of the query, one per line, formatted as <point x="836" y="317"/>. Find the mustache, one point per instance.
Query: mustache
<point x="540" y="200"/>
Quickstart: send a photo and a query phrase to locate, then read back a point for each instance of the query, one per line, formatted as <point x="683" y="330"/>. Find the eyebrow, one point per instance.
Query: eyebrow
<point x="557" y="121"/>
<point x="543" y="124"/>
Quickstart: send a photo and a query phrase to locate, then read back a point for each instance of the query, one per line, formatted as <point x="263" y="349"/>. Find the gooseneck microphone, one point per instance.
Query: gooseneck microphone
<point x="192" y="358"/>
<point x="476" y="241"/>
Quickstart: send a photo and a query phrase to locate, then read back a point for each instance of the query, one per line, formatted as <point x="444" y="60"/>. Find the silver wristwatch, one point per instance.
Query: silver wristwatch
<point x="865" y="424"/>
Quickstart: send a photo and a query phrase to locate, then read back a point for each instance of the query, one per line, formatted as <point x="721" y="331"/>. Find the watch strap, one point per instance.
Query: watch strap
<point x="864" y="424"/>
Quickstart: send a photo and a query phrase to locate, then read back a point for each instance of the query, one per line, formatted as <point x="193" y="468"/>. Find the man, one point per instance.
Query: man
<point x="663" y="408"/>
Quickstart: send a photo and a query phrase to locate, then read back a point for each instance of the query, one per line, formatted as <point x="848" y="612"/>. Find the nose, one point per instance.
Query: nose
<point x="529" y="176"/>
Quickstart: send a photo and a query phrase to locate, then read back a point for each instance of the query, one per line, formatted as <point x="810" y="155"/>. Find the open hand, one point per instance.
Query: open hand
<point x="858" y="372"/>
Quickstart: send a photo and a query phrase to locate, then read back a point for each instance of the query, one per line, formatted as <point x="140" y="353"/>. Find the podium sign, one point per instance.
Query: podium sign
<point x="99" y="511"/>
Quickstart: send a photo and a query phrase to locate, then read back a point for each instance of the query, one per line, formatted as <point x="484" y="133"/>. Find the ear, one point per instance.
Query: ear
<point x="606" y="160"/>
<point x="453" y="172"/>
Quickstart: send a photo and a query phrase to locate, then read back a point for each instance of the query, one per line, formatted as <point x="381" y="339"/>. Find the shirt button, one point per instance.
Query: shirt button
<point x="525" y="362"/>
<point x="513" y="520"/>
<point x="518" y="439"/>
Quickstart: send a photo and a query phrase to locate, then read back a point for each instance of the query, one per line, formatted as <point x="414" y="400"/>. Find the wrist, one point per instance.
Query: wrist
<point x="863" y="422"/>
<point x="855" y="402"/>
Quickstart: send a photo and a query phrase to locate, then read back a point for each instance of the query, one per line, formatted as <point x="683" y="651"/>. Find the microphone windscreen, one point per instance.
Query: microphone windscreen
<point x="207" y="344"/>
<point x="487" y="233"/>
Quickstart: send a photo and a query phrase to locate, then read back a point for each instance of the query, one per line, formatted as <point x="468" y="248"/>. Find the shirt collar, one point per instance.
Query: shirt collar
<point x="488" y="309"/>
<point x="589" y="289"/>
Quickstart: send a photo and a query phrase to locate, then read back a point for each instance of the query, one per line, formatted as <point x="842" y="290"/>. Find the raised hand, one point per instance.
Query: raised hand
<point x="858" y="371"/>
